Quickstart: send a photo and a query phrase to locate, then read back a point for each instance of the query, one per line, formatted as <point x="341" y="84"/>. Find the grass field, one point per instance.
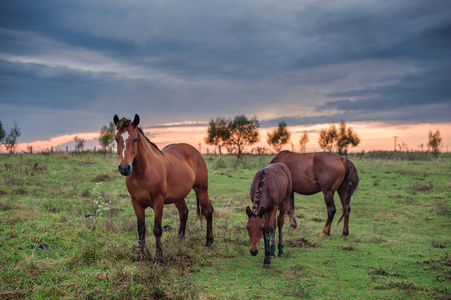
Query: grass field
<point x="68" y="231"/>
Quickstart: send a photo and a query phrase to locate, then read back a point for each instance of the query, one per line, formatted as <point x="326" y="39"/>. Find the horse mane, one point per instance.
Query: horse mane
<point x="147" y="139"/>
<point x="258" y="193"/>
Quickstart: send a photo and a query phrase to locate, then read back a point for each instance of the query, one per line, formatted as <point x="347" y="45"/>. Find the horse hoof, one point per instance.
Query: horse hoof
<point x="267" y="266"/>
<point x="280" y="255"/>
<point x="293" y="224"/>
<point x="208" y="247"/>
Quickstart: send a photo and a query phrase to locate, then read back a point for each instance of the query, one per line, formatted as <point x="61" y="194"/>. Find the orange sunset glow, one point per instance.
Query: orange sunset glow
<point x="374" y="136"/>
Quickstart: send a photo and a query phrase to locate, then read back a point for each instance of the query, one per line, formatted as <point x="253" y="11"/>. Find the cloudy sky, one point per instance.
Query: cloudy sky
<point x="67" y="67"/>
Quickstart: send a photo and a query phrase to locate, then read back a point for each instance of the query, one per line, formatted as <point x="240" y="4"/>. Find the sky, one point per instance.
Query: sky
<point x="384" y="67"/>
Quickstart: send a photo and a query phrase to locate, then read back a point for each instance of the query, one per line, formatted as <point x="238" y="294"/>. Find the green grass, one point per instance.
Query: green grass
<point x="64" y="235"/>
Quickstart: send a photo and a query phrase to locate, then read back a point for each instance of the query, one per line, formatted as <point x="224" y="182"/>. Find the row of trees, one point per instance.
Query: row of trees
<point x="236" y="134"/>
<point x="240" y="132"/>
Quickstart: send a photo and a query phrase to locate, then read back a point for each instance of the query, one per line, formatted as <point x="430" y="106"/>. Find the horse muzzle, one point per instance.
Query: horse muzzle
<point x="253" y="252"/>
<point x="125" y="170"/>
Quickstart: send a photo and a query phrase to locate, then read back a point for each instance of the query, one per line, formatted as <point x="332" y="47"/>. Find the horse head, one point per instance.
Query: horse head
<point x="126" y="138"/>
<point x="255" y="227"/>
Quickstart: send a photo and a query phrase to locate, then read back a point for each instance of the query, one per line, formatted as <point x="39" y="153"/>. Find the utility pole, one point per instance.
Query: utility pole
<point x="395" y="141"/>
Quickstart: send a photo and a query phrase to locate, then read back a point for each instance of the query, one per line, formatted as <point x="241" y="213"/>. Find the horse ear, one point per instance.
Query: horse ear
<point x="136" y="120"/>
<point x="116" y="119"/>
<point x="249" y="212"/>
<point x="261" y="212"/>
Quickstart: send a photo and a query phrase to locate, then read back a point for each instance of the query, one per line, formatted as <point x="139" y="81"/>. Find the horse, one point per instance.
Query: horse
<point x="157" y="177"/>
<point x="270" y="190"/>
<point x="321" y="172"/>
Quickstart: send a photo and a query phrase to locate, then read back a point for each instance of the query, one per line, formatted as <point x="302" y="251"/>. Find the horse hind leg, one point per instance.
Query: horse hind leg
<point x="204" y="204"/>
<point x="183" y="215"/>
<point x="346" y="204"/>
<point x="290" y="211"/>
<point x="329" y="199"/>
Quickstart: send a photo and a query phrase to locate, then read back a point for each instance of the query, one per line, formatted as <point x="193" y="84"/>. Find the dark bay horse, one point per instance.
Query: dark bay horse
<point x="157" y="177"/>
<point x="321" y="172"/>
<point x="270" y="190"/>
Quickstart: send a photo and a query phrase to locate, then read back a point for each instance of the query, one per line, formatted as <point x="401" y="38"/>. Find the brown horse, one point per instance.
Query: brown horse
<point x="321" y="172"/>
<point x="157" y="177"/>
<point x="270" y="190"/>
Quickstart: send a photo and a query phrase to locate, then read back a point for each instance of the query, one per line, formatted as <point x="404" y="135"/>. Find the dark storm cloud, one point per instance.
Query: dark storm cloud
<point x="175" y="61"/>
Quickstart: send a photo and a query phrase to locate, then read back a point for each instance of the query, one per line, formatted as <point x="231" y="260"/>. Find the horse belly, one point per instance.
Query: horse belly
<point x="176" y="193"/>
<point x="305" y="186"/>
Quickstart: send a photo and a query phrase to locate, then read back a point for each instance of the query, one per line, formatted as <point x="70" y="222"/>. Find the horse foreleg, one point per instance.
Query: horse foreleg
<point x="267" y="235"/>
<point x="329" y="199"/>
<point x="141" y="217"/>
<point x="157" y="229"/>
<point x="183" y="214"/>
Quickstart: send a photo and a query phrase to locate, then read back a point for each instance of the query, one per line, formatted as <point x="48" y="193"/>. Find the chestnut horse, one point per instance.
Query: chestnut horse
<point x="321" y="172"/>
<point x="156" y="177"/>
<point x="270" y="190"/>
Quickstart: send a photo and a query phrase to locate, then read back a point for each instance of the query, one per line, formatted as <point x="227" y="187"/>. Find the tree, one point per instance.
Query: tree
<point x="279" y="137"/>
<point x="243" y="132"/>
<point x="345" y="137"/>
<point x="106" y="138"/>
<point x="10" y="140"/>
<point x="340" y="138"/>
<point x="327" y="137"/>
<point x="2" y="133"/>
<point x="217" y="133"/>
<point x="435" y="141"/>
<point x="303" y="142"/>
<point x="79" y="143"/>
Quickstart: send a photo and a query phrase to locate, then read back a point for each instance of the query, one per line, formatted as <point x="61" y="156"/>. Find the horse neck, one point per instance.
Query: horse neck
<point x="147" y="155"/>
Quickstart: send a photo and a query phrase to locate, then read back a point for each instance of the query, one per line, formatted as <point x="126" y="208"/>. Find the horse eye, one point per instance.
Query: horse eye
<point x="116" y="139"/>
<point x="134" y="141"/>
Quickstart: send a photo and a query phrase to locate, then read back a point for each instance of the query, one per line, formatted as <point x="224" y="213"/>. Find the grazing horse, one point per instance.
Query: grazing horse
<point x="270" y="190"/>
<point x="156" y="177"/>
<point x="321" y="172"/>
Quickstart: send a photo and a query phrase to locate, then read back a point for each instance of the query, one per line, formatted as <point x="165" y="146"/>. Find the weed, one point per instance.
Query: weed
<point x="419" y="186"/>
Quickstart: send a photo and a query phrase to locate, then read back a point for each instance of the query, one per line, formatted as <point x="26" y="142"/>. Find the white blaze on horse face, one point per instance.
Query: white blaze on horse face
<point x="125" y="137"/>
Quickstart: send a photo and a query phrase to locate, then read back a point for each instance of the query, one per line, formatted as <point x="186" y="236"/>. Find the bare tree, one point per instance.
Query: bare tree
<point x="79" y="143"/>
<point x="10" y="140"/>
<point x="435" y="141"/>
<point x="303" y="142"/>
<point x="2" y="133"/>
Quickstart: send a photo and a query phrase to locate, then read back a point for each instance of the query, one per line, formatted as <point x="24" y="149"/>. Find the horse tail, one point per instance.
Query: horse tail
<point x="352" y="178"/>
<point x="198" y="210"/>
<point x="258" y="193"/>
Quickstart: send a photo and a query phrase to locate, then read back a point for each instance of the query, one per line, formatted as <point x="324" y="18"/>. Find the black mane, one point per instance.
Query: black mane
<point x="147" y="139"/>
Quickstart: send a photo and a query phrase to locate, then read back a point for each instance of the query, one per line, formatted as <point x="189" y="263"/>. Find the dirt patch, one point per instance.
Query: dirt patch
<point x="348" y="248"/>
<point x="101" y="178"/>
<point x="20" y="192"/>
<point x="299" y="243"/>
<point x="2" y="193"/>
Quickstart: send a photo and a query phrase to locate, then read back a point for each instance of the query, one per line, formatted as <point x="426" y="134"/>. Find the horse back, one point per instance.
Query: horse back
<point x="275" y="183"/>
<point x="183" y="159"/>
<point x="313" y="172"/>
